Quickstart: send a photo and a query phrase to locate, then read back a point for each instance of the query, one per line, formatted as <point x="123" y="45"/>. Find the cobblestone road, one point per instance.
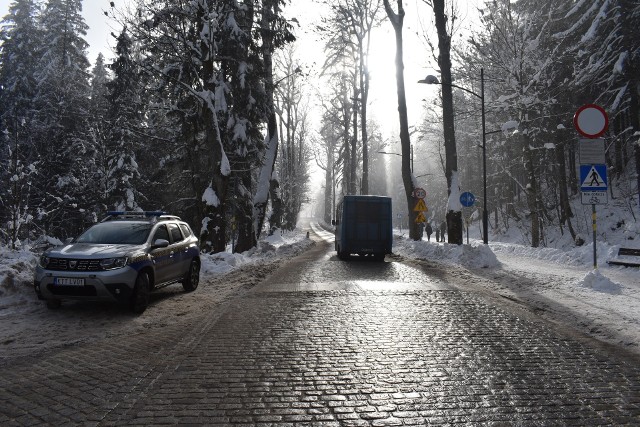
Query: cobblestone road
<point x="329" y="343"/>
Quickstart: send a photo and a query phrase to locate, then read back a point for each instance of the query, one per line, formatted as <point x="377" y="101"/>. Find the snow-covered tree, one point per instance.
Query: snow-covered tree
<point x="60" y="129"/>
<point x="396" y="17"/>
<point x="124" y="118"/>
<point x="275" y="32"/>
<point x="606" y="53"/>
<point x="210" y="100"/>
<point x="19" y="50"/>
<point x="292" y="108"/>
<point x="349" y="31"/>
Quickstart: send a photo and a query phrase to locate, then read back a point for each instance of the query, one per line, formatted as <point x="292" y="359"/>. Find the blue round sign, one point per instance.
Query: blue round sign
<point x="467" y="199"/>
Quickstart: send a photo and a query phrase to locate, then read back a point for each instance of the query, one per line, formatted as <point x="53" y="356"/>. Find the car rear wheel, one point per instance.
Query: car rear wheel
<point x="140" y="297"/>
<point x="53" y="303"/>
<point x="192" y="277"/>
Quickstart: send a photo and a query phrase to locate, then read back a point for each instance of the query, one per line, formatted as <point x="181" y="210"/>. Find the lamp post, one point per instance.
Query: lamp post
<point x="398" y="154"/>
<point x="485" y="215"/>
<point x="296" y="71"/>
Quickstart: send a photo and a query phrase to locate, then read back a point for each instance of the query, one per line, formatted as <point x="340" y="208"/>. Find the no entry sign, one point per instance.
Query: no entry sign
<point x="591" y="121"/>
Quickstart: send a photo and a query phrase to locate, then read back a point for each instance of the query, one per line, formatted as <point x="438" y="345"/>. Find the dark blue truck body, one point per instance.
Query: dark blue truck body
<point x="364" y="226"/>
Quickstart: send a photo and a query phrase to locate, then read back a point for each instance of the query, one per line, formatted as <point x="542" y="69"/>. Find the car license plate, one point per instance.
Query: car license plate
<point x="67" y="281"/>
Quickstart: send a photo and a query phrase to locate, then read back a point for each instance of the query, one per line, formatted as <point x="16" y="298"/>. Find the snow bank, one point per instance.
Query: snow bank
<point x="16" y="267"/>
<point x="594" y="280"/>
<point x="278" y="245"/>
<point x="476" y="255"/>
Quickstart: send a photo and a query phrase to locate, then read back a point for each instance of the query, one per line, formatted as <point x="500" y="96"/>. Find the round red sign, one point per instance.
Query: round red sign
<point x="591" y="121"/>
<point x="419" y="193"/>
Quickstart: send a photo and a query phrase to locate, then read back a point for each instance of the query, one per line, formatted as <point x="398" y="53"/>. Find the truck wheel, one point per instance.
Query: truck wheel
<point x="192" y="277"/>
<point x="140" y="297"/>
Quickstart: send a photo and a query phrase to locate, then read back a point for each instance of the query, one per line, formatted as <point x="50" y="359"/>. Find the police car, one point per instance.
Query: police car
<point x="121" y="259"/>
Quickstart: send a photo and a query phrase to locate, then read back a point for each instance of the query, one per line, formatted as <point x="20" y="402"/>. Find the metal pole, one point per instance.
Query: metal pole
<point x="485" y="214"/>
<point x="593" y="220"/>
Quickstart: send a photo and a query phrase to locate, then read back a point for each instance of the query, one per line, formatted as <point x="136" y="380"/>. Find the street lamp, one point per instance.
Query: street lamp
<point x="398" y="154"/>
<point x="296" y="71"/>
<point x="431" y="80"/>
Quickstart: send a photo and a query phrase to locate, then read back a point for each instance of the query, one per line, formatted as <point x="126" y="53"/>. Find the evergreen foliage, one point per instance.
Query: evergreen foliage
<point x="202" y="112"/>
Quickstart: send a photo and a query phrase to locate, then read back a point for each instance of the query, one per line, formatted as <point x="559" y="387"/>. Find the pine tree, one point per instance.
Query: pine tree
<point x="19" y="48"/>
<point x="123" y="117"/>
<point x="61" y="139"/>
<point x="98" y="129"/>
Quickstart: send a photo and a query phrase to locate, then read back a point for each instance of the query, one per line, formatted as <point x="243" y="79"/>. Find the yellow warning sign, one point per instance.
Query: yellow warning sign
<point x="421" y="218"/>
<point x="420" y="206"/>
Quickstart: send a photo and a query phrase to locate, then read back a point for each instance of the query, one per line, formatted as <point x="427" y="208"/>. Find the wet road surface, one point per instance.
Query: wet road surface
<point x="323" y="342"/>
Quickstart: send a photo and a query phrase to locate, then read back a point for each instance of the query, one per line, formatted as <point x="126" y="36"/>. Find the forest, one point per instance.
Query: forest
<point x="204" y="111"/>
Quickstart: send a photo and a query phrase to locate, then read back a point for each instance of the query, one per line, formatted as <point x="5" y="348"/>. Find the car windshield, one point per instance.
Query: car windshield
<point x="129" y="233"/>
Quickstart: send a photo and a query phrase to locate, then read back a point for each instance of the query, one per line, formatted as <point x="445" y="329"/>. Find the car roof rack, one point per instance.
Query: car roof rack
<point x="153" y="215"/>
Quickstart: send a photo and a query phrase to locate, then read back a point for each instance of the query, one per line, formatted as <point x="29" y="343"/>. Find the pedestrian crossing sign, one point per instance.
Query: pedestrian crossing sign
<point x="593" y="177"/>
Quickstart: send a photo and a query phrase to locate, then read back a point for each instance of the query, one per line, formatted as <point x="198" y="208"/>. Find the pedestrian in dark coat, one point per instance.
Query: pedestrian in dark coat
<point x="443" y="229"/>
<point x="429" y="230"/>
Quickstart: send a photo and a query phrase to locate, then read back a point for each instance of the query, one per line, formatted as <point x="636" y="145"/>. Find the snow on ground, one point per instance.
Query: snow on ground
<point x="16" y="267"/>
<point x="29" y="328"/>
<point x="559" y="284"/>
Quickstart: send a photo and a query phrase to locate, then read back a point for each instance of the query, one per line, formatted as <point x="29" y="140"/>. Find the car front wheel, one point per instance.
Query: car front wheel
<point x="54" y="303"/>
<point x="192" y="277"/>
<point x="140" y="297"/>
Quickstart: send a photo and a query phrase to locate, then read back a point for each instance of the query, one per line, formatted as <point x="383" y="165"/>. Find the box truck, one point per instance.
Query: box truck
<point x="364" y="227"/>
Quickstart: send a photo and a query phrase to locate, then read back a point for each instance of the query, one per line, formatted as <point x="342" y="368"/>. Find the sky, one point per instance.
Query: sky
<point x="98" y="35"/>
<point x="383" y="88"/>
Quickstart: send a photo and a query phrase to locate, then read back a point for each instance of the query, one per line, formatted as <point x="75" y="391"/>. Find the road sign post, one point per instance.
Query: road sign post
<point x="467" y="199"/>
<point x="591" y="121"/>
<point x="420" y="207"/>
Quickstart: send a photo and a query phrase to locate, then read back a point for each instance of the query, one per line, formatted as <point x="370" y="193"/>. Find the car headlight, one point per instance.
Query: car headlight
<point x="113" y="263"/>
<point x="44" y="261"/>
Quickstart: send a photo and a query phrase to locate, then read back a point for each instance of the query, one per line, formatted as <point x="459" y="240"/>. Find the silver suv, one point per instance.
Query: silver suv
<point x="121" y="259"/>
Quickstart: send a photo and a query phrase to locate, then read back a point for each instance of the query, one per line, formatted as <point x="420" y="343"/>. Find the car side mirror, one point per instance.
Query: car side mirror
<point x="68" y="240"/>
<point x="160" y="243"/>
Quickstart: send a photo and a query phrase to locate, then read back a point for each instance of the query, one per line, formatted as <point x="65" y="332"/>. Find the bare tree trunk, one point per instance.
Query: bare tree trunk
<point x="364" y="96"/>
<point x="565" y="208"/>
<point x="346" y="141"/>
<point x="353" y="188"/>
<point x="275" y="219"/>
<point x="212" y="203"/>
<point x="328" y="191"/>
<point x="634" y="114"/>
<point x="454" y="214"/>
<point x="213" y="232"/>
<point x="243" y="213"/>
<point x="405" y="139"/>
<point x="263" y="192"/>
<point x="532" y="192"/>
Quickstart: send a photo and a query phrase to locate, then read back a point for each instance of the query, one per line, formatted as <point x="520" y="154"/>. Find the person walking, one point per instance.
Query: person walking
<point x="437" y="234"/>
<point x="429" y="230"/>
<point x="443" y="229"/>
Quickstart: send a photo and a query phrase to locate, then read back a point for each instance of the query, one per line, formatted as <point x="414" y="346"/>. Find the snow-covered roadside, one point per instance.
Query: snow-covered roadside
<point x="29" y="328"/>
<point x="562" y="284"/>
<point x="16" y="267"/>
<point x="559" y="283"/>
